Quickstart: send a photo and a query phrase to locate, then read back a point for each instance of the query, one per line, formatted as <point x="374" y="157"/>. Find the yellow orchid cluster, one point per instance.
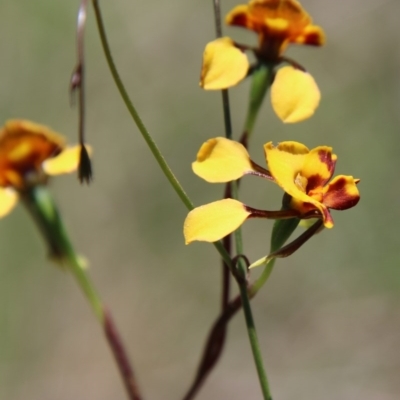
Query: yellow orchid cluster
<point x="278" y="23"/>
<point x="31" y="153"/>
<point x="304" y="175"/>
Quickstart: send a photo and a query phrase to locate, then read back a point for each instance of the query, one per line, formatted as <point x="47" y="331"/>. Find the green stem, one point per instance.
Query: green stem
<point x="281" y="232"/>
<point x="245" y="295"/>
<point x="224" y="254"/>
<point x="134" y="114"/>
<point x="260" y="83"/>
<point x="252" y="333"/>
<point x="262" y="279"/>
<point x="142" y="128"/>
<point x="77" y="268"/>
<point x="253" y="110"/>
<point x="238" y="232"/>
<point x="44" y="211"/>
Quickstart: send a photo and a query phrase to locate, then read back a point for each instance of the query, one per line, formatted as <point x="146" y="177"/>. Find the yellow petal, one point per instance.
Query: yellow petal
<point x="224" y="65"/>
<point x="319" y="165"/>
<point x="286" y="159"/>
<point x="342" y="193"/>
<point x="222" y="160"/>
<point x="286" y="163"/>
<point x="294" y="95"/>
<point x="25" y="128"/>
<point x="8" y="200"/>
<point x="67" y="161"/>
<point x="214" y="221"/>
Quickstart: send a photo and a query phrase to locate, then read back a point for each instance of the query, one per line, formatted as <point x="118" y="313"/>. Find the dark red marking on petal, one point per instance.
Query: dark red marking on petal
<point x="315" y="181"/>
<point x="313" y="39"/>
<point x="338" y="197"/>
<point x="240" y="20"/>
<point x="326" y="158"/>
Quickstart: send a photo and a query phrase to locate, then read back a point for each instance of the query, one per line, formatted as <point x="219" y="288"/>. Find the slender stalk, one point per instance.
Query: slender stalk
<point x="45" y="213"/>
<point x="177" y="187"/>
<point x="226" y="273"/>
<point x="228" y="135"/>
<point x="252" y="333"/>
<point x="77" y="80"/>
<point x="260" y="85"/>
<point x="217" y="18"/>
<point x="244" y="294"/>
<point x="225" y="94"/>
<point x="77" y="267"/>
<point x="142" y="128"/>
<point x="78" y="83"/>
<point x="281" y="232"/>
<point x="217" y="338"/>
<point x="120" y="356"/>
<point x="134" y="114"/>
<point x="43" y="210"/>
<point x="262" y="279"/>
<point x="241" y="278"/>
<point x="238" y="232"/>
<point x="227" y="241"/>
<point x="212" y="351"/>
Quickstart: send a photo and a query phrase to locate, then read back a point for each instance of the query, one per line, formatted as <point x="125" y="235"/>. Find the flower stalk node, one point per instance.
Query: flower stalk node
<point x="240" y="275"/>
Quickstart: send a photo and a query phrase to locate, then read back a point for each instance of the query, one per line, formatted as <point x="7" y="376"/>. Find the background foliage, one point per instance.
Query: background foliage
<point x="328" y="318"/>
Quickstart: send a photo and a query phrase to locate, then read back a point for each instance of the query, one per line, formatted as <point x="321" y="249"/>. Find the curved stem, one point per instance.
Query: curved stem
<point x="212" y="349"/>
<point x="262" y="279"/>
<point x="142" y="128"/>
<point x="281" y="232"/>
<point x="179" y="190"/>
<point x="42" y="208"/>
<point x="132" y="110"/>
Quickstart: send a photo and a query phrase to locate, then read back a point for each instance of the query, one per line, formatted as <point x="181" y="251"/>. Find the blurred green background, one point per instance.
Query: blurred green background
<point x="328" y="320"/>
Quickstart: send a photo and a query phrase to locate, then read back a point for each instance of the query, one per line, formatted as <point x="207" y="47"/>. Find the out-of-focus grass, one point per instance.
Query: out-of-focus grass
<point x="328" y="320"/>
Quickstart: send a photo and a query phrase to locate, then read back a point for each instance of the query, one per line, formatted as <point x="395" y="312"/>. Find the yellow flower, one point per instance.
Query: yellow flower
<point x="29" y="153"/>
<point x="294" y="94"/>
<point x="302" y="173"/>
<point x="277" y="23"/>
